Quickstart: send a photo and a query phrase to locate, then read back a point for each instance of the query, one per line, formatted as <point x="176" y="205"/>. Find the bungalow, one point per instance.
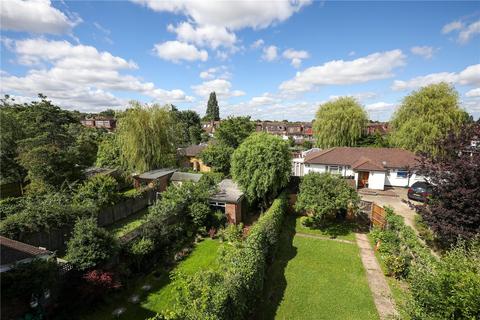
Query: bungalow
<point x="372" y="168"/>
<point x="230" y="200"/>
<point x="14" y="252"/>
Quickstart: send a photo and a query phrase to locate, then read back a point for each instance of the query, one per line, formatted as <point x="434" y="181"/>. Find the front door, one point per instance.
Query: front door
<point x="363" y="179"/>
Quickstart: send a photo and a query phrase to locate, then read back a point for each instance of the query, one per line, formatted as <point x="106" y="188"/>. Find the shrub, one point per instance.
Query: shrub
<point x="100" y="190"/>
<point x="10" y="206"/>
<point x="89" y="245"/>
<point x="325" y="195"/>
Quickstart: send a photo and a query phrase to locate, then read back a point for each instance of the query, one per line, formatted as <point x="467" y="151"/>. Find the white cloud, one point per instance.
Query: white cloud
<point x="176" y="51"/>
<point x="473" y="93"/>
<point x="469" y="76"/>
<point x="37" y="16"/>
<point x="375" y="66"/>
<point x="207" y="35"/>
<point x="361" y="96"/>
<point x="379" y="106"/>
<point x="352" y="53"/>
<point x="257" y="44"/>
<point x="78" y="76"/>
<point x="220" y="72"/>
<point x="269" y="53"/>
<point x="295" y="56"/>
<point x="424" y="51"/>
<point x="469" y="32"/>
<point x="234" y="15"/>
<point x="465" y="31"/>
<point x="452" y="26"/>
<point x="222" y="87"/>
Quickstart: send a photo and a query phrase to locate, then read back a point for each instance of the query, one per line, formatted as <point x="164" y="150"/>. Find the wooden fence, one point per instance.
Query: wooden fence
<point x="378" y="216"/>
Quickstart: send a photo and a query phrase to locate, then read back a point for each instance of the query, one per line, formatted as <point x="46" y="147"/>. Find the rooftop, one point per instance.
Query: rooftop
<point x="191" y="151"/>
<point x="185" y="176"/>
<point x="155" y="174"/>
<point x="13" y="251"/>
<point x="228" y="191"/>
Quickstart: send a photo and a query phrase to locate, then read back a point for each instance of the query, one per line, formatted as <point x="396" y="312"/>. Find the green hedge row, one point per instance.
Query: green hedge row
<point x="231" y="292"/>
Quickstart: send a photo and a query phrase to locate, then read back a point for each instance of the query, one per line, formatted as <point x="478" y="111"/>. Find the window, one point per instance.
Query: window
<point x="335" y="169"/>
<point x="402" y="174"/>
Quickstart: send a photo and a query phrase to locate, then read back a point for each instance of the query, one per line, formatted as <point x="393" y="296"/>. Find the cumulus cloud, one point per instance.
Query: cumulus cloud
<point x="424" y="51"/>
<point x="78" y="76"/>
<point x="207" y="35"/>
<point x="466" y="31"/>
<point x="295" y="56"/>
<point x="270" y="53"/>
<point x="176" y="51"/>
<point x="379" y="65"/>
<point x="220" y="72"/>
<point x="379" y="106"/>
<point x="36" y="16"/>
<point x="469" y="76"/>
<point x="257" y="44"/>
<point x="234" y="15"/>
<point x="361" y="96"/>
<point x="222" y="87"/>
<point x="473" y="93"/>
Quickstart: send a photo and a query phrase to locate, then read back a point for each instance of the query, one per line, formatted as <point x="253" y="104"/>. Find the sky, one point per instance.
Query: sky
<point x="272" y="60"/>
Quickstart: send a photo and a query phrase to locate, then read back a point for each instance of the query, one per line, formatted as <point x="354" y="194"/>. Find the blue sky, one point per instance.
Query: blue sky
<point x="271" y="60"/>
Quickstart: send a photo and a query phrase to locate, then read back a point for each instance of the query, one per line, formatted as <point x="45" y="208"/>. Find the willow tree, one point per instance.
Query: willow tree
<point x="147" y="137"/>
<point x="339" y="123"/>
<point x="426" y="116"/>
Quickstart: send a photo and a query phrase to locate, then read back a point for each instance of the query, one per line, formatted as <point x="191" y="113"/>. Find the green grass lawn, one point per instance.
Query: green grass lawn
<point x="161" y="296"/>
<point x="316" y="279"/>
<point x="124" y="226"/>
<point x="340" y="230"/>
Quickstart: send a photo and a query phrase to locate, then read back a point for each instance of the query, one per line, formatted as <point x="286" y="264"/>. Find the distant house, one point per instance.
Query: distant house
<point x="13" y="252"/>
<point x="372" y="168"/>
<point x="189" y="158"/>
<point x="230" y="200"/>
<point x="377" y="127"/>
<point x="298" y="131"/>
<point x="210" y="127"/>
<point x="100" y="122"/>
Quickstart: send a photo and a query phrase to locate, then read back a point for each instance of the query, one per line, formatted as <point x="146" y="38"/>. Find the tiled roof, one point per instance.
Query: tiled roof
<point x="13" y="251"/>
<point x="186" y="176"/>
<point x="191" y="151"/>
<point x="364" y="158"/>
<point x="228" y="191"/>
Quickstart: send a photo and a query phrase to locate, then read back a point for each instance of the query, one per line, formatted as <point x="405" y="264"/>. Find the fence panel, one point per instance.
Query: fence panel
<point x="378" y="216"/>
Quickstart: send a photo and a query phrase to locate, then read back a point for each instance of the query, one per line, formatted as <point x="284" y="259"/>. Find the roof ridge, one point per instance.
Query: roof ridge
<point x="320" y="153"/>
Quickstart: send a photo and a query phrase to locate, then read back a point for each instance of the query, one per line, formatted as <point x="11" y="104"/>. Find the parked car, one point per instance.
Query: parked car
<point x="420" y="191"/>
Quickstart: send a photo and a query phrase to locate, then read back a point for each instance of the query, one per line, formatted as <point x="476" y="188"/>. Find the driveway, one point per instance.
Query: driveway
<point x="400" y="208"/>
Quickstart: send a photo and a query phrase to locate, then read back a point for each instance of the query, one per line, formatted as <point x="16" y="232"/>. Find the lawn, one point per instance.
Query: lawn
<point x="316" y="279"/>
<point x="124" y="226"/>
<point x="333" y="229"/>
<point x="161" y="295"/>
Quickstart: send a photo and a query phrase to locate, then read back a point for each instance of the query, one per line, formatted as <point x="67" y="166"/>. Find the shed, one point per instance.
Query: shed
<point x="229" y="199"/>
<point x="13" y="252"/>
<point x="178" y="178"/>
<point x="154" y="179"/>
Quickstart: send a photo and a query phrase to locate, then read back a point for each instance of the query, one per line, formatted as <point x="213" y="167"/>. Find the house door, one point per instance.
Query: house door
<point x="363" y="179"/>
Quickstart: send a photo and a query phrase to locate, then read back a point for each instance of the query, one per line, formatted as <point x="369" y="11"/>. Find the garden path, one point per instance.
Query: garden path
<point x="376" y="279"/>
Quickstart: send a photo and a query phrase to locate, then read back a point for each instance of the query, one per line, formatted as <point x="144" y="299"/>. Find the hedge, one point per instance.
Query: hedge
<point x="230" y="293"/>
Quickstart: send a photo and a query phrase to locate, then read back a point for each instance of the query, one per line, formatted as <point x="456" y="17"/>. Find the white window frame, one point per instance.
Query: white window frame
<point x="403" y="172"/>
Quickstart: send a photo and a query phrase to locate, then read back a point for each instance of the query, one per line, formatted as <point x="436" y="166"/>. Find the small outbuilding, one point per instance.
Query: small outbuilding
<point x="157" y="179"/>
<point x="229" y="199"/>
<point x="178" y="178"/>
<point x="190" y="158"/>
<point x="13" y="252"/>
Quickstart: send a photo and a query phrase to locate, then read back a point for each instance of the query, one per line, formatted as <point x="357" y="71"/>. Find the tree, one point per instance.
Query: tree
<point x="86" y="142"/>
<point x="454" y="173"/>
<point x="339" y="123"/>
<point x="218" y="157"/>
<point x="108" y="154"/>
<point x="325" y="195"/>
<point x="100" y="190"/>
<point x="89" y="245"/>
<point x="234" y="130"/>
<point x="190" y="127"/>
<point x="425" y="116"/>
<point x="147" y="137"/>
<point x="213" y="111"/>
<point x="10" y="133"/>
<point x="110" y="113"/>
<point x="262" y="166"/>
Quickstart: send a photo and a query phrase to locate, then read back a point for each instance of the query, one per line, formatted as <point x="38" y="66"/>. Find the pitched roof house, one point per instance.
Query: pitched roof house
<point x="372" y="168"/>
<point x="190" y="158"/>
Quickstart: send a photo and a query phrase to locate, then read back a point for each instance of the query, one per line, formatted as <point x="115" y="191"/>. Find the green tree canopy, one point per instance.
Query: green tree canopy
<point x="147" y="137"/>
<point x="108" y="154"/>
<point x="89" y="244"/>
<point x="425" y="116"/>
<point x="339" y="123"/>
<point x="100" y="190"/>
<point x="261" y="165"/>
<point x="213" y="111"/>
<point x="218" y="157"/>
<point x="324" y="194"/>
<point x="233" y="130"/>
<point x="190" y="126"/>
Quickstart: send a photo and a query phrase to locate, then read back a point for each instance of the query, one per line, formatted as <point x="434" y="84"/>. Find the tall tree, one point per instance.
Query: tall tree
<point x="233" y="130"/>
<point x="189" y="125"/>
<point x="455" y="174"/>
<point x="261" y="165"/>
<point x="218" y="157"/>
<point x="108" y="154"/>
<point x="213" y="111"/>
<point x="147" y="137"/>
<point x="425" y="116"/>
<point x="339" y="123"/>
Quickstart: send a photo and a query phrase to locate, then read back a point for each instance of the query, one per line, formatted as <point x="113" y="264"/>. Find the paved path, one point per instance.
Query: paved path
<point x="308" y="235"/>
<point x="376" y="279"/>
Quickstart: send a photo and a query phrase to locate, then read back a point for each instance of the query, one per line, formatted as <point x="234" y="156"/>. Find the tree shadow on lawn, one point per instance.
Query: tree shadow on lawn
<point x="276" y="282"/>
<point x="333" y="228"/>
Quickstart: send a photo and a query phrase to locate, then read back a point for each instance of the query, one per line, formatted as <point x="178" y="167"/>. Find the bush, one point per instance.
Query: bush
<point x="100" y="190"/>
<point x="231" y="292"/>
<point x="10" y="206"/>
<point x="90" y="245"/>
<point x="325" y="195"/>
<point x="449" y="288"/>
